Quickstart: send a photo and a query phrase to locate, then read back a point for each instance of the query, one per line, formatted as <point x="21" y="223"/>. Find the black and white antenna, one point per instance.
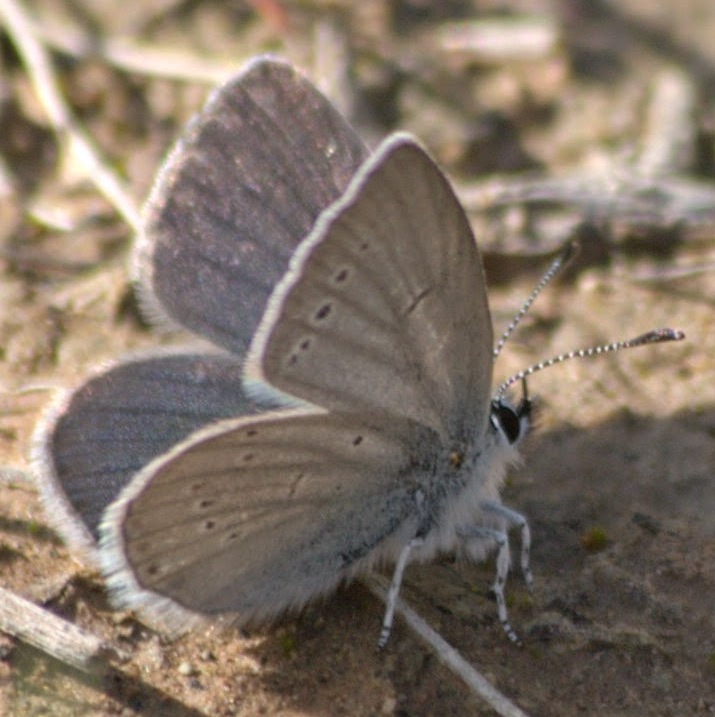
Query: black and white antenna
<point x="654" y="336"/>
<point x="568" y="252"/>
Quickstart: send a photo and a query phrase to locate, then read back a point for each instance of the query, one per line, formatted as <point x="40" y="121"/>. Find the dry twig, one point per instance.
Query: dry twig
<point x="71" y="135"/>
<point x="51" y="634"/>
<point x="477" y="683"/>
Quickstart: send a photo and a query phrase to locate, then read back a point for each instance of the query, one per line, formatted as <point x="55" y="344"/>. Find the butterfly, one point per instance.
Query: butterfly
<point x="349" y="420"/>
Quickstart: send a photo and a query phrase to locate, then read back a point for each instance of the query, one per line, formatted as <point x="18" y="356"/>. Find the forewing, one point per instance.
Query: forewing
<point x="384" y="307"/>
<point x="259" y="515"/>
<point x="94" y="439"/>
<point x="243" y="187"/>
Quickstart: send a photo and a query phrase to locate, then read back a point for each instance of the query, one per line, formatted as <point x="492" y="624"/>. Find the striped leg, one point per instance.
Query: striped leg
<point x="501" y="540"/>
<point x="394" y="590"/>
<point x="516" y="520"/>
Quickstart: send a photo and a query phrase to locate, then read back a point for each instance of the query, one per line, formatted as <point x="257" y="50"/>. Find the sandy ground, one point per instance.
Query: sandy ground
<point x="617" y="477"/>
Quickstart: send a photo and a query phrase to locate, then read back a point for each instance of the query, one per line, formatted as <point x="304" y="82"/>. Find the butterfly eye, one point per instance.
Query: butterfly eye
<point x="509" y="420"/>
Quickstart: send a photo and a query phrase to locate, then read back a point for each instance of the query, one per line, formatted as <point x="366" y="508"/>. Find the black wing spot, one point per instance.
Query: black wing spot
<point x="252" y="432"/>
<point x="357" y="440"/>
<point x="248" y="457"/>
<point x="341" y="276"/>
<point x="323" y="311"/>
<point x="209" y="525"/>
<point x="205" y="504"/>
<point x="153" y="569"/>
<point x="304" y="345"/>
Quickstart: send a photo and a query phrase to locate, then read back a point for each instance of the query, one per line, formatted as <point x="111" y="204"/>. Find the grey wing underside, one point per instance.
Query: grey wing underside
<point x="243" y="187"/>
<point x="94" y="439"/>
<point x="258" y="515"/>
<point x="384" y="307"/>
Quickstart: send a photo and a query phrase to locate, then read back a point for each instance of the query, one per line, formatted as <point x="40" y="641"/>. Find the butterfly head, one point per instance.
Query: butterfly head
<point x="509" y="420"/>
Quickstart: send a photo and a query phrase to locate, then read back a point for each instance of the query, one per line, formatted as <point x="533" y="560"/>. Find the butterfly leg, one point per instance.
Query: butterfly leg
<point x="394" y="590"/>
<point x="516" y="520"/>
<point x="501" y="539"/>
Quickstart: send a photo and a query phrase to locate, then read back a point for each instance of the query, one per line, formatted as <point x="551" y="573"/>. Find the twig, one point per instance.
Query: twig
<point x="331" y="65"/>
<point x="128" y="55"/>
<point x="669" y="129"/>
<point x="631" y="198"/>
<point x="12" y="474"/>
<point x="673" y="273"/>
<point x="651" y="191"/>
<point x="476" y="682"/>
<point x="39" y="69"/>
<point x="496" y="40"/>
<point x="51" y="634"/>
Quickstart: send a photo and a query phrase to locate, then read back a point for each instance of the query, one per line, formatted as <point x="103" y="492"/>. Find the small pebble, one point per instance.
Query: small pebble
<point x="187" y="669"/>
<point x="388" y="706"/>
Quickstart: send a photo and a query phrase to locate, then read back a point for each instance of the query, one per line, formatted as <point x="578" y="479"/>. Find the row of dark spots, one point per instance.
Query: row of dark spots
<point x="206" y="503"/>
<point x="339" y="278"/>
<point x="209" y="525"/>
<point x="324" y="311"/>
<point x="342" y="274"/>
<point x="303" y="346"/>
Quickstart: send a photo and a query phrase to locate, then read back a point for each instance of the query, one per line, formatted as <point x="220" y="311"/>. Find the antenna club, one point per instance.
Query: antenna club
<point x="657" y="336"/>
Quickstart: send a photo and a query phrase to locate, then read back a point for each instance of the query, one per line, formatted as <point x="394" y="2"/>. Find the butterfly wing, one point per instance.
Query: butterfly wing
<point x="239" y="192"/>
<point x="384" y="307"/>
<point x="94" y="439"/>
<point x="257" y="515"/>
<point x="243" y="187"/>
